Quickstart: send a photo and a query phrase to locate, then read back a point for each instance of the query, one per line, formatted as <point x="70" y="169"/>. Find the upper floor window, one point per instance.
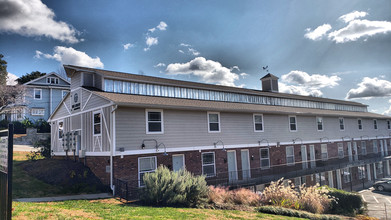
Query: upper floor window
<point x="375" y="124"/>
<point x="388" y="124"/>
<point x="64" y="93"/>
<point x="97" y="123"/>
<point x="213" y="122"/>
<point x="154" y="119"/>
<point x="258" y="122"/>
<point x="341" y="124"/>
<point x="265" y="160"/>
<point x="359" y="122"/>
<point x="38" y="94"/>
<point x="319" y="123"/>
<point x="208" y="164"/>
<point x="290" y="155"/>
<point x="292" y="123"/>
<point x="52" y="80"/>
<point x="145" y="165"/>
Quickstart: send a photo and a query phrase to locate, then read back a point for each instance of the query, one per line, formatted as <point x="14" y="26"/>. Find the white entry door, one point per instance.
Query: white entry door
<point x="350" y="153"/>
<point x="232" y="168"/>
<point x="178" y="162"/>
<point x="381" y="148"/>
<point x="246" y="172"/>
<point x="304" y="157"/>
<point x="355" y="151"/>
<point x="312" y="156"/>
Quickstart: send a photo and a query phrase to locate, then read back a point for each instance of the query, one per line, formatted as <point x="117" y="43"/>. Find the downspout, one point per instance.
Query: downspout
<point x="112" y="150"/>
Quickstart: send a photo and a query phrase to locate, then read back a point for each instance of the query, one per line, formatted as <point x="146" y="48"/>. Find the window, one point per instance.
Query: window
<point x="361" y="172"/>
<point x="379" y="168"/>
<point x="265" y="161"/>
<point x="363" y="148"/>
<point x="118" y="86"/>
<point x="64" y="93"/>
<point x="52" y="80"/>
<point x="346" y="175"/>
<point x="214" y="122"/>
<point x="109" y="85"/>
<point x="60" y="129"/>
<point x="359" y="122"/>
<point x="97" y="123"/>
<point x="323" y="148"/>
<point x="38" y="94"/>
<point x="145" y="165"/>
<point x="208" y="164"/>
<point x="340" y="151"/>
<point x="154" y="119"/>
<point x="375" y="149"/>
<point x="388" y="124"/>
<point x="37" y="111"/>
<point x="319" y="123"/>
<point x="258" y="122"/>
<point x="341" y="124"/>
<point x="292" y="123"/>
<point x="375" y="124"/>
<point x="290" y="155"/>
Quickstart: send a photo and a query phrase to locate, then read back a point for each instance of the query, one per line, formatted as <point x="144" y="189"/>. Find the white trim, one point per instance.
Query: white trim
<point x="69" y="112"/>
<point x="147" y="121"/>
<point x="235" y="177"/>
<point x="219" y="120"/>
<point x="317" y="126"/>
<point x="289" y="123"/>
<point x="183" y="158"/>
<point x="214" y="163"/>
<point x="62" y="93"/>
<point x="52" y="73"/>
<point x="286" y="155"/>
<point x="260" y="157"/>
<point x="40" y="95"/>
<point x="343" y="123"/>
<point x="358" y="124"/>
<point x="81" y="112"/>
<point x="37" y="114"/>
<point x="86" y="102"/>
<point x="51" y="98"/>
<point x="138" y="168"/>
<point x="375" y="124"/>
<point x="263" y="127"/>
<point x="248" y="160"/>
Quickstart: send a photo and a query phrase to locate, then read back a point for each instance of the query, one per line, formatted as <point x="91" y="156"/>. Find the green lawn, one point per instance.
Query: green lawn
<point x="113" y="209"/>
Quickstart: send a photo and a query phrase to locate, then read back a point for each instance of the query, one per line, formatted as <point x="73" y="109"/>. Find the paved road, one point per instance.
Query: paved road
<point x="379" y="203"/>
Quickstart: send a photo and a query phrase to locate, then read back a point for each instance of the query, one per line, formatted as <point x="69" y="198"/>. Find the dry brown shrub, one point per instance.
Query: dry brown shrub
<point x="219" y="194"/>
<point x="279" y="195"/>
<point x="244" y="196"/>
<point x="314" y="198"/>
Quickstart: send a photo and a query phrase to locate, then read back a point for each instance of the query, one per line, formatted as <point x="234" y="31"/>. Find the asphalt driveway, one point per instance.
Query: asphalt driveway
<point x="379" y="203"/>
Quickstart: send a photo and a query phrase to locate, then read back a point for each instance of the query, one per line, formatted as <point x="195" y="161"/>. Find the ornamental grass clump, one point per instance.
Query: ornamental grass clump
<point x="222" y="195"/>
<point x="277" y="194"/>
<point x="314" y="199"/>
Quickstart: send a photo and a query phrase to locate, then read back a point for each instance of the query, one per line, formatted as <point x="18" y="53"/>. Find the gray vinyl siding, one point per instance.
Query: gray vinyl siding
<point x="190" y="128"/>
<point x="88" y="79"/>
<point x="94" y="102"/>
<point x="76" y="81"/>
<point x="62" y="111"/>
<point x="98" y="81"/>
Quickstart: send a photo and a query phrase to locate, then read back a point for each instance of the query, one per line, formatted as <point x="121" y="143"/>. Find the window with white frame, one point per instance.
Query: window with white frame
<point x="323" y="148"/>
<point x="145" y="165"/>
<point x="64" y="93"/>
<point x="118" y="86"/>
<point x="341" y="124"/>
<point x="292" y="123"/>
<point x="265" y="160"/>
<point x="388" y="124"/>
<point x="38" y="111"/>
<point x="60" y="129"/>
<point x="52" y="80"/>
<point x="213" y="122"/>
<point x="361" y="172"/>
<point x="346" y="175"/>
<point x="154" y="121"/>
<point x="375" y="124"/>
<point x="379" y="167"/>
<point x="319" y="123"/>
<point x="340" y="151"/>
<point x="363" y="148"/>
<point x="208" y="164"/>
<point x="359" y="123"/>
<point x="375" y="149"/>
<point x="258" y="122"/>
<point x="290" y="155"/>
<point x="97" y="126"/>
<point x="38" y="94"/>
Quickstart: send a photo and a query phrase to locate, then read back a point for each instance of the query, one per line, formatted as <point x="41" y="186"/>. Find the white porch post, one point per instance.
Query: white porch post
<point x="331" y="179"/>
<point x="369" y="172"/>
<point x="339" y="182"/>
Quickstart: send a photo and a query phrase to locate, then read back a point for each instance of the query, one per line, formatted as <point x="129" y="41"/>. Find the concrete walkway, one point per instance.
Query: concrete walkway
<point x="25" y="148"/>
<point x="65" y="198"/>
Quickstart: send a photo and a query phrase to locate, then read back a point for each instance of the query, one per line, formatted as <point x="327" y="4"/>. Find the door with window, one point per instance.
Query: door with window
<point x="246" y="172"/>
<point x="355" y="152"/>
<point x="312" y="156"/>
<point x="304" y="157"/>
<point x="350" y="153"/>
<point x="232" y="168"/>
<point x="178" y="162"/>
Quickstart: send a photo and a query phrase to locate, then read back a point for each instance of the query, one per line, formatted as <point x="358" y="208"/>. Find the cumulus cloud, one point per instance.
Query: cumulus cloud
<point x="68" y="55"/>
<point x="208" y="70"/>
<point x="190" y="50"/>
<point x="352" y="16"/>
<point x="11" y="79"/>
<point x="369" y="88"/>
<point x="243" y="75"/>
<point x="161" y="26"/>
<point x="388" y="111"/>
<point x="318" y="33"/>
<point x="160" y="65"/>
<point x="299" y="90"/>
<point x="150" y="41"/>
<point x="311" y="81"/>
<point x="128" y="46"/>
<point x="32" y="18"/>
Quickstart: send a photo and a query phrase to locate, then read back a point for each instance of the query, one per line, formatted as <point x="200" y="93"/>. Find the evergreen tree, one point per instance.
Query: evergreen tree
<point x="30" y="76"/>
<point x="3" y="71"/>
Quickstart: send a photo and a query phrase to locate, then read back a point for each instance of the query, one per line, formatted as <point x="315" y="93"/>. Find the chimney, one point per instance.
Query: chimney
<point x="269" y="83"/>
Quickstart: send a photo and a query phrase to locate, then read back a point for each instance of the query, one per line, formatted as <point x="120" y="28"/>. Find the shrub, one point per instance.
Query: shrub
<point x="294" y="213"/>
<point x="27" y="123"/>
<point x="346" y="203"/>
<point x="42" y="126"/>
<point x="219" y="195"/>
<point x="222" y="195"/>
<point x="314" y="198"/>
<point x="34" y="155"/>
<point x="19" y="127"/>
<point x="165" y="187"/>
<point x="279" y="195"/>
<point x="44" y="147"/>
<point x="244" y="196"/>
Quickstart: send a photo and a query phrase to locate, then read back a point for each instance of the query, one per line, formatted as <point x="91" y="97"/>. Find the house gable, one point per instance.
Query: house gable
<point x="51" y="79"/>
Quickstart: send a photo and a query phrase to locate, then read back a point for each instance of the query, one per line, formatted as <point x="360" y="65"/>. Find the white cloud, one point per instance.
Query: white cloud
<point x="150" y="41"/>
<point x="32" y="18"/>
<point x="161" y="26"/>
<point x="311" y="81"/>
<point x="210" y="71"/>
<point x="369" y="88"/>
<point x="11" y="79"/>
<point x="190" y="50"/>
<point x="127" y="46"/>
<point x="181" y="51"/>
<point x="193" y="52"/>
<point x="388" y="111"/>
<point x="318" y="33"/>
<point x="235" y="68"/>
<point x="68" y="55"/>
<point x="357" y="29"/>
<point x="299" y="90"/>
<point x="160" y="65"/>
<point x="184" y="45"/>
<point x="352" y="16"/>
<point x="243" y="75"/>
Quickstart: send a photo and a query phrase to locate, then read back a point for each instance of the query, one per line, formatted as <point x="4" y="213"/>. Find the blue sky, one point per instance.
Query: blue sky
<point x="334" y="49"/>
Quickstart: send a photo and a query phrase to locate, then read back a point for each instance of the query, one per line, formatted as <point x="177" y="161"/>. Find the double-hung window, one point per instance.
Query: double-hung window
<point x="38" y="111"/>
<point x="290" y="155"/>
<point x="265" y="160"/>
<point x="60" y="129"/>
<point x="363" y="148"/>
<point x="341" y="124"/>
<point x="359" y="122"/>
<point x="325" y="154"/>
<point x="208" y="164"/>
<point x="97" y="123"/>
<point x="319" y="123"/>
<point x="292" y="123"/>
<point x="388" y="124"/>
<point x="154" y="119"/>
<point x="361" y="172"/>
<point x="52" y="80"/>
<point x="258" y="122"/>
<point x="340" y="151"/>
<point x="346" y="175"/>
<point x="38" y="94"/>
<point x="145" y="165"/>
<point x="375" y="124"/>
<point x="213" y="122"/>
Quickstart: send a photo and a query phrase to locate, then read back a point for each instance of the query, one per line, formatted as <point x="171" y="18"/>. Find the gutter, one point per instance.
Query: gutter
<point x="113" y="146"/>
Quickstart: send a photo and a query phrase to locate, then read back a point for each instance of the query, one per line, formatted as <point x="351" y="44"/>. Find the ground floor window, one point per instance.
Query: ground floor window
<point x="325" y="155"/>
<point x="290" y="155"/>
<point x="340" y="151"/>
<point x="361" y="172"/>
<point x="265" y="161"/>
<point x="38" y="111"/>
<point x="145" y="165"/>
<point x="208" y="164"/>
<point x="379" y="168"/>
<point x="363" y="148"/>
<point x="346" y="175"/>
